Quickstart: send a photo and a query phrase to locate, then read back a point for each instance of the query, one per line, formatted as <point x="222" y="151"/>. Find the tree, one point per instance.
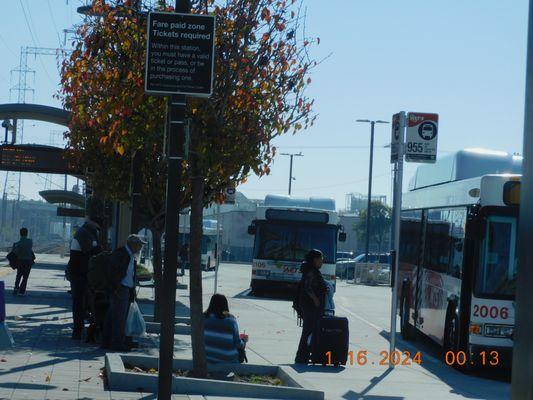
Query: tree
<point x="262" y="69"/>
<point x="380" y="224"/>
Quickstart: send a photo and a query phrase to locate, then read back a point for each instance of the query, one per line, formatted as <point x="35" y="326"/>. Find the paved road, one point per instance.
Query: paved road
<point x="274" y="336"/>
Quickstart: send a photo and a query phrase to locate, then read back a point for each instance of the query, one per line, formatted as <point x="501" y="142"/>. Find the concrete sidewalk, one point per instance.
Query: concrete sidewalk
<point x="45" y="363"/>
<point x="274" y="337"/>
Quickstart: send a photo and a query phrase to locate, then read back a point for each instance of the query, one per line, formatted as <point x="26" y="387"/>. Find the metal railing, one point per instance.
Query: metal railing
<point x="364" y="273"/>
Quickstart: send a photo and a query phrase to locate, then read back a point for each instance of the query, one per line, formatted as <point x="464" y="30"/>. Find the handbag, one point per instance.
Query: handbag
<point x="135" y="325"/>
<point x="242" y="355"/>
<point x="12" y="258"/>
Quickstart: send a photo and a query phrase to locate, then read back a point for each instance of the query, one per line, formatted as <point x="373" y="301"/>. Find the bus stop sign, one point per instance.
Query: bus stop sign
<point x="422" y="138"/>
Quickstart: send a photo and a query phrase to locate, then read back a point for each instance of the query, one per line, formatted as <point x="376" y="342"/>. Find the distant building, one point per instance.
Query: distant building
<point x="356" y="202"/>
<point x="235" y="219"/>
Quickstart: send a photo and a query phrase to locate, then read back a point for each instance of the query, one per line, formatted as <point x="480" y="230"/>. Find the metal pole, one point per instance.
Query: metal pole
<point x="522" y="380"/>
<point x="369" y="201"/>
<point x="218" y="252"/>
<point x="175" y="135"/>
<point x="398" y="182"/>
<point x="290" y="175"/>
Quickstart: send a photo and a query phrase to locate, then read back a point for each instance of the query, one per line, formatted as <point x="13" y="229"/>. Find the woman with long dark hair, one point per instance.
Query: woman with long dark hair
<point x="221" y="332"/>
<point x="311" y="297"/>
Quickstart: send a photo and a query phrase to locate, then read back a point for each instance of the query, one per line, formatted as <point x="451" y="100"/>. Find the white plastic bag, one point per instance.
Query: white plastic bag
<point x="135" y="325"/>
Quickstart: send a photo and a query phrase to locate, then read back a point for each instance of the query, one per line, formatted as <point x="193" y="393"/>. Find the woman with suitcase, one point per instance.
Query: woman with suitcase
<point x="310" y="298"/>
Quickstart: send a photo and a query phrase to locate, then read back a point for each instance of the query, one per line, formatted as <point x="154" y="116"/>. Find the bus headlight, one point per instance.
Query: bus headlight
<point x="505" y="331"/>
<point x="475" y="329"/>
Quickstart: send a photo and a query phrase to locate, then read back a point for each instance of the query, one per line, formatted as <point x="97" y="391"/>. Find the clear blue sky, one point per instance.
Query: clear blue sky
<point x="462" y="60"/>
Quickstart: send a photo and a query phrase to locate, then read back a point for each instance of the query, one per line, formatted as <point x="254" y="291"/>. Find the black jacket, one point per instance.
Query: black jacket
<point x="79" y="259"/>
<point x="118" y="266"/>
<point x="312" y="282"/>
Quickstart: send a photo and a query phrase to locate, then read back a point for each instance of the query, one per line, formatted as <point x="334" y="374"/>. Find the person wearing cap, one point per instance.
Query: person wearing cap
<point x="122" y="265"/>
<point x="84" y="245"/>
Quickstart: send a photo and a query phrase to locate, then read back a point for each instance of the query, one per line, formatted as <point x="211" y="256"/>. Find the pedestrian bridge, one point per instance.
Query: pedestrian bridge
<point x="35" y="112"/>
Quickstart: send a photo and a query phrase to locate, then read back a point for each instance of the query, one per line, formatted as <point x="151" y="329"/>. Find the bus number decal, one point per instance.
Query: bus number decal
<point x="492" y="312"/>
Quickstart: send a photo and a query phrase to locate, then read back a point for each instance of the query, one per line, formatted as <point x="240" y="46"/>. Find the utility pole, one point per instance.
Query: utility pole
<point x="291" y="155"/>
<point x="522" y="381"/>
<point x="369" y="201"/>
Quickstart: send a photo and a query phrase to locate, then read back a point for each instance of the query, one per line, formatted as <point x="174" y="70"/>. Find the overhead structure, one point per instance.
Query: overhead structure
<point x="38" y="112"/>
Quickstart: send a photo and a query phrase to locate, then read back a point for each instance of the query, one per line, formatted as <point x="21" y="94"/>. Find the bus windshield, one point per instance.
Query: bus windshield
<point x="291" y="241"/>
<point x="497" y="273"/>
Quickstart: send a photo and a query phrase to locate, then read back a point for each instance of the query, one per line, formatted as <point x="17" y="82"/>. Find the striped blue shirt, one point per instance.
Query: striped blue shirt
<point x="221" y="339"/>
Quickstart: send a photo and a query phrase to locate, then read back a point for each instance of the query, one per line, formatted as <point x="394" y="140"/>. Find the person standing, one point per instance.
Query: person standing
<point x="122" y="265"/>
<point x="311" y="297"/>
<point x="23" y="249"/>
<point x="84" y="245"/>
<point x="184" y="257"/>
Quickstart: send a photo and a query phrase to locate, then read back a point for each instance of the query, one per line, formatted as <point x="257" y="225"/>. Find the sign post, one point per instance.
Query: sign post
<point x="414" y="136"/>
<point x="397" y="147"/>
<point x="229" y="199"/>
<point x="179" y="62"/>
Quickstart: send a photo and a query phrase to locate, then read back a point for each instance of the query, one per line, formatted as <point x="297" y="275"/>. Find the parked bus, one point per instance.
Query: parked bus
<point x="457" y="271"/>
<point x="209" y="241"/>
<point x="285" y="229"/>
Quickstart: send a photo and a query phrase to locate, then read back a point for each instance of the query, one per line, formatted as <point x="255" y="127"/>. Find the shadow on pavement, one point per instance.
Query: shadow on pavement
<point x="270" y="296"/>
<point x="460" y="383"/>
<point x="351" y="395"/>
<point x="27" y="386"/>
<point x="302" y="369"/>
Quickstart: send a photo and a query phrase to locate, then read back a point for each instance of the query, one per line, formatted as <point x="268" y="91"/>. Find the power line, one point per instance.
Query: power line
<point x="53" y="21"/>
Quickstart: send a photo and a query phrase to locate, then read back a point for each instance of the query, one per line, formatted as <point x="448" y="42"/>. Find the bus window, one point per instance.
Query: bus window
<point x="457" y="233"/>
<point x="437" y="245"/>
<point x="496" y="275"/>
<point x="410" y="231"/>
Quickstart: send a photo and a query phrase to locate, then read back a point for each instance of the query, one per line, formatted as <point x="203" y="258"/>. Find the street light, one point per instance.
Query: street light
<point x="291" y="155"/>
<point x="368" y="208"/>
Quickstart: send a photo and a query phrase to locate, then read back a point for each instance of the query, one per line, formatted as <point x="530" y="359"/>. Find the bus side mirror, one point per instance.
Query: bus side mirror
<point x="251" y="230"/>
<point x="342" y="236"/>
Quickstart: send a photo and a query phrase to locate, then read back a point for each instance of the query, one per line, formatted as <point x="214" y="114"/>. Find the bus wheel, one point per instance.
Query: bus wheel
<point x="405" y="327"/>
<point x="450" y="333"/>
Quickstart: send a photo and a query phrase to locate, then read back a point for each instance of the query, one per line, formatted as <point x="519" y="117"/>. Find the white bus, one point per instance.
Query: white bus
<point x="209" y="240"/>
<point x="458" y="256"/>
<point x="285" y="230"/>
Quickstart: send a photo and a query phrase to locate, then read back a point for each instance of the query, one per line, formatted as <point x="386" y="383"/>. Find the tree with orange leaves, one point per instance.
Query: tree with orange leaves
<point x="262" y="68"/>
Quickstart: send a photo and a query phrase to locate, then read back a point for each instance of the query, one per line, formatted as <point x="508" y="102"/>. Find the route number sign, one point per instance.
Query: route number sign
<point x="422" y="137"/>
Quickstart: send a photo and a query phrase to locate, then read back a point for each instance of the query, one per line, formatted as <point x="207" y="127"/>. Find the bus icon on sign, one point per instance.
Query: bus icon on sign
<point x="427" y="130"/>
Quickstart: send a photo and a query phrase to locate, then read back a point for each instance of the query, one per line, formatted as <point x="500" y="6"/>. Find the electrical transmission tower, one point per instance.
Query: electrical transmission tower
<point x="21" y="86"/>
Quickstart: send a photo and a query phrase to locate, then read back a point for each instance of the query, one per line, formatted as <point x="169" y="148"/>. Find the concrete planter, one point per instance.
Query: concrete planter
<point x="179" y="329"/>
<point x="177" y="320"/>
<point x="121" y="380"/>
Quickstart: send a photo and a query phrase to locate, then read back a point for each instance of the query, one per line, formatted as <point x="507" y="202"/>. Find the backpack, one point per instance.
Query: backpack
<point x="297" y="303"/>
<point x="98" y="272"/>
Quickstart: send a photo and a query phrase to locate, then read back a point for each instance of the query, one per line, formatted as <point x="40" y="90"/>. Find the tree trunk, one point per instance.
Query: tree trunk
<point x="158" y="273"/>
<point x="195" y="283"/>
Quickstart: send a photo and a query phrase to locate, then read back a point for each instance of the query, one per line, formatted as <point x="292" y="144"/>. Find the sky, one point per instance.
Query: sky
<point x="462" y="60"/>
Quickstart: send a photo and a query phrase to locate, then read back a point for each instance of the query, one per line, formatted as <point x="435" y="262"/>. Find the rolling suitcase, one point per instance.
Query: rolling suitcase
<point x="331" y="335"/>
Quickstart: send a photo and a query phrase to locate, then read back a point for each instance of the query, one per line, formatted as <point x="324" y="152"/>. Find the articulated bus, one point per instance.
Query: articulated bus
<point x="457" y="270"/>
<point x="285" y="230"/>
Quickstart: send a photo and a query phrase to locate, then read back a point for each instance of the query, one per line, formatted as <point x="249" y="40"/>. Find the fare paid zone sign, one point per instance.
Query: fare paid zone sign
<point x="421" y="137"/>
<point x="180" y="54"/>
